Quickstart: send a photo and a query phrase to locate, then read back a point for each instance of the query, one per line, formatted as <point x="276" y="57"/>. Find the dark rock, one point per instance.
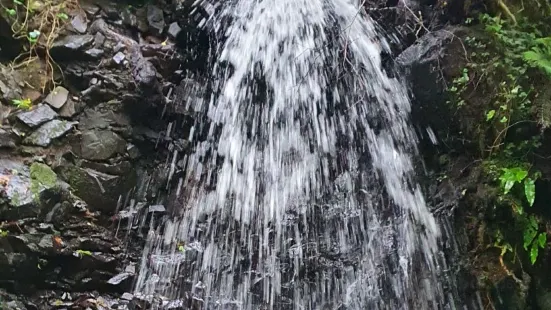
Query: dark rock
<point x="94" y="52"/>
<point x="90" y="8"/>
<point x="156" y="19"/>
<point x="38" y="116"/>
<point x="9" y="46"/>
<point x="99" y="190"/>
<point x="137" y="20"/>
<point x="70" y="44"/>
<point x="79" y="23"/>
<point x="145" y="75"/>
<point x="428" y="64"/>
<point x="101" y="145"/>
<point x="119" y="57"/>
<point x="44" y="135"/>
<point x="10" y="84"/>
<point x="174" y="30"/>
<point x="132" y="151"/>
<point x="58" y="97"/>
<point x="68" y="110"/>
<point x="7" y="139"/>
<point x="104" y="116"/>
<point x="99" y="39"/>
<point x="109" y="10"/>
<point x="5" y="111"/>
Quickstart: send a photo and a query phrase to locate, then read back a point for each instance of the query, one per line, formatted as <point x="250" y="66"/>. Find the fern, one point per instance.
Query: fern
<point x="540" y="55"/>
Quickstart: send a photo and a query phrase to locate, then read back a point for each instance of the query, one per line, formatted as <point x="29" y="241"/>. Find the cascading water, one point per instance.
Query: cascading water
<point x="303" y="194"/>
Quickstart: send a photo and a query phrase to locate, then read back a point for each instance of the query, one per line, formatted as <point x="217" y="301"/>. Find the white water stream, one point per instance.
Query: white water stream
<point x="303" y="196"/>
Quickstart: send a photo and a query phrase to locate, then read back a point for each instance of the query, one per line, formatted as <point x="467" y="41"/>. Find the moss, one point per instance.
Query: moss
<point x="42" y="176"/>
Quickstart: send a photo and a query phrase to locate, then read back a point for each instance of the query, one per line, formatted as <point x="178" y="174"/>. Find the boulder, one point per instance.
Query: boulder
<point x="25" y="188"/>
<point x="99" y="190"/>
<point x="101" y="145"/>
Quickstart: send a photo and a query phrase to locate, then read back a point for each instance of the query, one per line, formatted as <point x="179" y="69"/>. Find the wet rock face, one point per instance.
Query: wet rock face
<point x="427" y="65"/>
<point x="69" y="165"/>
<point x="100" y="190"/>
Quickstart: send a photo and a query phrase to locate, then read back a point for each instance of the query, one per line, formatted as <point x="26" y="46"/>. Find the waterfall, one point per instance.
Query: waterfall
<point x="303" y="193"/>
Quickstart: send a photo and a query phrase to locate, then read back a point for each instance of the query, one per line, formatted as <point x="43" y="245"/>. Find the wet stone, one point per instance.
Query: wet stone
<point x="99" y="39"/>
<point x="89" y="8"/>
<point x="155" y="19"/>
<point x="46" y="133"/>
<point x="7" y="139"/>
<point x="127" y="296"/>
<point x="58" y="97"/>
<point x="94" y="52"/>
<point x="71" y="44"/>
<point x="68" y="110"/>
<point x="101" y="144"/>
<point x="116" y="280"/>
<point x="38" y="116"/>
<point x="24" y="187"/>
<point x="157" y="208"/>
<point x="79" y="23"/>
<point x="173" y="30"/>
<point x="119" y="57"/>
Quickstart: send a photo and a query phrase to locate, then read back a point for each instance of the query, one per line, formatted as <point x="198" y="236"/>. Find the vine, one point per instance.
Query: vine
<point x="38" y="24"/>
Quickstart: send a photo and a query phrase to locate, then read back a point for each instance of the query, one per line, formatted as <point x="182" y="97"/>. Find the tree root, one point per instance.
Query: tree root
<point x="507" y="11"/>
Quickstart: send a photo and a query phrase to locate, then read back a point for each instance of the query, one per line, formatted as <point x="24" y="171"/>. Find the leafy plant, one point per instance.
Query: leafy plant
<point x="24" y="104"/>
<point x="540" y="55"/>
<point x="533" y="239"/>
<point x="507" y="71"/>
<point x="82" y="253"/>
<point x="33" y="36"/>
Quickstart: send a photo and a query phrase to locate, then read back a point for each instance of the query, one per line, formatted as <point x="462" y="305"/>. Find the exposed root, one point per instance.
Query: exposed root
<point x="507" y="11"/>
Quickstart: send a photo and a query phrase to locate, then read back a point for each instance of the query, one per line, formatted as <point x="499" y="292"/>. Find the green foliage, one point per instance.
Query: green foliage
<point x="24" y="104"/>
<point x="540" y="55"/>
<point x="82" y="253"/>
<point x="508" y="66"/>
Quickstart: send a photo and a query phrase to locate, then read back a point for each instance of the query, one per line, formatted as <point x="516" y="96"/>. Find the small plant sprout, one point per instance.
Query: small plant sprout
<point x="82" y="253"/>
<point x="33" y="36"/>
<point x="24" y="104"/>
<point x="62" y="16"/>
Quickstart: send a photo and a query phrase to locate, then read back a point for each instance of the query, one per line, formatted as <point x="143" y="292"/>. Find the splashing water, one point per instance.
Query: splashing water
<point x="303" y="194"/>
